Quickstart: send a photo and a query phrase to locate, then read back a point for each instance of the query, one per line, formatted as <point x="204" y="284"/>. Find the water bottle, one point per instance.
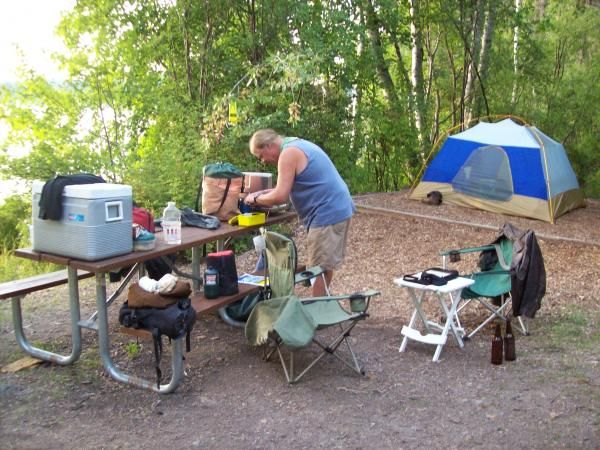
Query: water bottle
<point x="171" y="224"/>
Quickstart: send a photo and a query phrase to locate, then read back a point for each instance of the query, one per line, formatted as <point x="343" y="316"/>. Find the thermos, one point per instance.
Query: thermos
<point x="211" y="282"/>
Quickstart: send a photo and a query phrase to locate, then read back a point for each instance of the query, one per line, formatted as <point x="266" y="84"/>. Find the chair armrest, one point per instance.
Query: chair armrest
<point x="467" y="250"/>
<point x="358" y="302"/>
<point x="355" y="296"/>
<point x="308" y="274"/>
<point x="490" y="272"/>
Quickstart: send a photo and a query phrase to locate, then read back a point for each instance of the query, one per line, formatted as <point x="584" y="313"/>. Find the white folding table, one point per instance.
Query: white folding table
<point x="448" y="292"/>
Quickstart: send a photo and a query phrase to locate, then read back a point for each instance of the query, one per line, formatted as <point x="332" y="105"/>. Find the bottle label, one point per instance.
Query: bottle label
<point x="210" y="279"/>
<point x="172" y="232"/>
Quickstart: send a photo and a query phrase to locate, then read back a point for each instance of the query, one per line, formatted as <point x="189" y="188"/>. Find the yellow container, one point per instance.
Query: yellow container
<point x="251" y="219"/>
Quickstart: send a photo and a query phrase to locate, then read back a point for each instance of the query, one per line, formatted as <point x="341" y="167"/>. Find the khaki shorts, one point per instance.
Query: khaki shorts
<point x="327" y="245"/>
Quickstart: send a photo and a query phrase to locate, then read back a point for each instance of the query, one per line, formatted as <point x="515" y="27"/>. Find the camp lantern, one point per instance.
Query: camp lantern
<point x="233" y="116"/>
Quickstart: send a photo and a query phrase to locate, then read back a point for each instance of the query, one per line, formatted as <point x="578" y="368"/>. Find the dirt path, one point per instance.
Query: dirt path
<point x="548" y="398"/>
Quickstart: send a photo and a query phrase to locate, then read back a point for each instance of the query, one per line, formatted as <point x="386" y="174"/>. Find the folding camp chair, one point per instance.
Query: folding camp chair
<point x="281" y="265"/>
<point x="494" y="285"/>
<point x="286" y="323"/>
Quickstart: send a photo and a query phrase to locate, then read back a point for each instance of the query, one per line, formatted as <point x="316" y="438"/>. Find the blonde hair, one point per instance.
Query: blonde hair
<point x="262" y="138"/>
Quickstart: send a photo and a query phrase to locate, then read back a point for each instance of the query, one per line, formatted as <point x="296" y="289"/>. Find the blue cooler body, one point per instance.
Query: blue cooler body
<point x="95" y="224"/>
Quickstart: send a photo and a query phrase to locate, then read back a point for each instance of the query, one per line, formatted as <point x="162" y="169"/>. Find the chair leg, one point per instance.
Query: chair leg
<point x="289" y="367"/>
<point x="496" y="312"/>
<point x="523" y="328"/>
<point x="334" y="345"/>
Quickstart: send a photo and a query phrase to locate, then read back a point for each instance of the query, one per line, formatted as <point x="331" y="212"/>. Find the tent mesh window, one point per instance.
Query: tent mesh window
<point x="485" y="174"/>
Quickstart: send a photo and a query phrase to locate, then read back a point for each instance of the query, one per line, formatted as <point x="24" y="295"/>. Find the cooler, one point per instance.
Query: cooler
<point x="95" y="223"/>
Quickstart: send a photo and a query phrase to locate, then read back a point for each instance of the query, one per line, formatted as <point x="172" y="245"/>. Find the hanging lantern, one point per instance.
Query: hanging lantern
<point x="233" y="116"/>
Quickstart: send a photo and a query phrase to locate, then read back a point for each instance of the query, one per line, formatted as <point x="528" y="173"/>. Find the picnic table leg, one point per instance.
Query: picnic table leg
<point x="103" y="340"/>
<point x="196" y="284"/>
<point x="46" y="355"/>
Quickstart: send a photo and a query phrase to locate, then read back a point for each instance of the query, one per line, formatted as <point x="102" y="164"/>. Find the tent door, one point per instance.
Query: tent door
<point x="485" y="174"/>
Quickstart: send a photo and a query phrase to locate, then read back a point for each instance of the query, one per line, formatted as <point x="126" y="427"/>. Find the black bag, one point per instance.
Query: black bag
<point x="433" y="276"/>
<point x="175" y="321"/>
<point x="224" y="262"/>
<point x="191" y="218"/>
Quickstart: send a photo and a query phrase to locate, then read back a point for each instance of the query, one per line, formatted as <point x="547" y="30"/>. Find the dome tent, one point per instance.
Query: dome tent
<point x="506" y="168"/>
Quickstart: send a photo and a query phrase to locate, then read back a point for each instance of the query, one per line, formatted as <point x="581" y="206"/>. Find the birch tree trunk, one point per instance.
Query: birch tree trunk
<point x="416" y="71"/>
<point x="513" y="100"/>
<point x="484" y="56"/>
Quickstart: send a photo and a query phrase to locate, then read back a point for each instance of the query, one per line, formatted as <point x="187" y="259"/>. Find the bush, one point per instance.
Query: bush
<point x="14" y="216"/>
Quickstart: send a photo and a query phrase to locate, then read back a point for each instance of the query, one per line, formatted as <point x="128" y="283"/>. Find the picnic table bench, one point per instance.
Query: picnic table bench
<point x="17" y="289"/>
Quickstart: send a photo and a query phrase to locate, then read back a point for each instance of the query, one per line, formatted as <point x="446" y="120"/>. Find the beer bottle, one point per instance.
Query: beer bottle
<point x="497" y="346"/>
<point x="509" y="343"/>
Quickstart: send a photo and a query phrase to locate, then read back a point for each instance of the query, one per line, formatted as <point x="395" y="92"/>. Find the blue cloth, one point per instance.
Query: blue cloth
<point x="319" y="194"/>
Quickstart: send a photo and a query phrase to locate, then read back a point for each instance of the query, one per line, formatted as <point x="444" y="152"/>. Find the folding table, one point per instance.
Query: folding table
<point x="448" y="297"/>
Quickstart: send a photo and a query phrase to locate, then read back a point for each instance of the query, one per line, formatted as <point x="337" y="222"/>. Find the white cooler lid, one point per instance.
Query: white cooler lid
<point x="90" y="191"/>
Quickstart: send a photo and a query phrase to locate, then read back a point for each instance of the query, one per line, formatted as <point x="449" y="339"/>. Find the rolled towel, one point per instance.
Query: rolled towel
<point x="148" y="284"/>
<point x="166" y="284"/>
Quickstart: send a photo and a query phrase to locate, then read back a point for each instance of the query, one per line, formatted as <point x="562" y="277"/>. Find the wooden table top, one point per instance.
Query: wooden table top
<point x="190" y="237"/>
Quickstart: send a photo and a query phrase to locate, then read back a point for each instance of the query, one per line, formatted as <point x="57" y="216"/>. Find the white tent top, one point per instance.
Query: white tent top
<point x="505" y="133"/>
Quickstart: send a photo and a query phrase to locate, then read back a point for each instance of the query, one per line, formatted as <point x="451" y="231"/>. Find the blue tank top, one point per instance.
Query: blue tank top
<point x="319" y="194"/>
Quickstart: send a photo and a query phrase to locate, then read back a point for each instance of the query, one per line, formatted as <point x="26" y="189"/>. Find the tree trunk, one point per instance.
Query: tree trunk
<point x="474" y="58"/>
<point x="540" y="8"/>
<point x="372" y="25"/>
<point x="484" y="56"/>
<point x="183" y="19"/>
<point x="513" y="100"/>
<point x="416" y="71"/>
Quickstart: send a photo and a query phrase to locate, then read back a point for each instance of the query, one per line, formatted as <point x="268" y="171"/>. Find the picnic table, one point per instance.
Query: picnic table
<point x="191" y="238"/>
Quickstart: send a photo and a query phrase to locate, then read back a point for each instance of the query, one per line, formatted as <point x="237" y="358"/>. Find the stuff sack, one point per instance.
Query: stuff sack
<point x="241" y="309"/>
<point x="224" y="263"/>
<point x="174" y="321"/>
<point x="221" y="188"/>
<point x="137" y="297"/>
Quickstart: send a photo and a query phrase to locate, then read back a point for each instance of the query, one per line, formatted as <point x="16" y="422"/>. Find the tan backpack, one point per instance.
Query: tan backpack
<point x="221" y="187"/>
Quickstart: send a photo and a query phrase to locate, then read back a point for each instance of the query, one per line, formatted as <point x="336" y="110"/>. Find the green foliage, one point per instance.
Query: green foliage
<point x="146" y="102"/>
<point x="15" y="217"/>
<point x="15" y="212"/>
<point x="133" y="349"/>
<point x="576" y="327"/>
<point x="13" y="268"/>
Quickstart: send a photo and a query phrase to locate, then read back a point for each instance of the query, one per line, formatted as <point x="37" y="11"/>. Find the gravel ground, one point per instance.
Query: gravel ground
<point x="548" y="398"/>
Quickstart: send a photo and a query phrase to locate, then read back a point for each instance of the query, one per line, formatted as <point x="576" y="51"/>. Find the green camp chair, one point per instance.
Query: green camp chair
<point x="286" y="323"/>
<point x="492" y="284"/>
